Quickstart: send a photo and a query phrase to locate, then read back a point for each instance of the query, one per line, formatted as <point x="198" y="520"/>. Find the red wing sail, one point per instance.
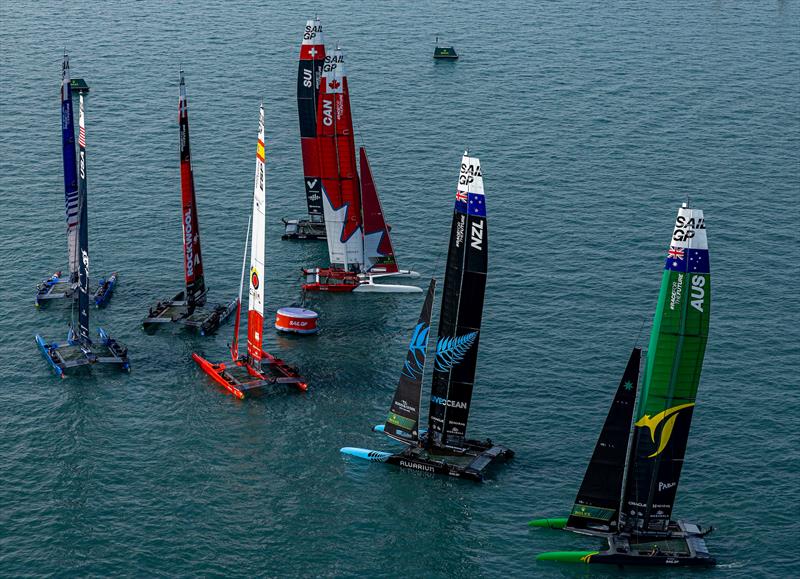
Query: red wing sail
<point x="341" y="198"/>
<point x="378" y="249"/>
<point x="192" y="258"/>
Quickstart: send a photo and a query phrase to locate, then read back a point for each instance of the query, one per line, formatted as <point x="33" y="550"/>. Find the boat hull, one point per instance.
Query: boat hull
<point x="683" y="545"/>
<point x="70" y="356"/>
<point x="469" y="463"/>
<point x="275" y="371"/>
<point x="105" y="290"/>
<point x="608" y="558"/>
<point x="339" y="281"/>
<point x="203" y="320"/>
<point x="302" y="229"/>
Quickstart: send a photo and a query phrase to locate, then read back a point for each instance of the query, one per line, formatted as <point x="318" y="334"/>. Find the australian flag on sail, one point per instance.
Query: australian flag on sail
<point x="687" y="260"/>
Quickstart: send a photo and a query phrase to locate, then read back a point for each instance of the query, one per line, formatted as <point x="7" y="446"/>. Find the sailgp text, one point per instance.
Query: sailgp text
<point x="685" y="228"/>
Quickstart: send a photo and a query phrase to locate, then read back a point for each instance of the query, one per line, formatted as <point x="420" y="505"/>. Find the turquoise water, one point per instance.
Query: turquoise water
<point x="593" y="124"/>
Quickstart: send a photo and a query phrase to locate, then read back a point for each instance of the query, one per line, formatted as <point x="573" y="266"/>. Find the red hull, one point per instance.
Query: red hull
<point x="277" y="371"/>
<point x="330" y="280"/>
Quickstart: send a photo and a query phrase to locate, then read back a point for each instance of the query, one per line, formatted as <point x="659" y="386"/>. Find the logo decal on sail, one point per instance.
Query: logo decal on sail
<point x="671" y="414"/>
<point x="416" y="350"/>
<point x="450" y="351"/>
<point x="254" y="278"/>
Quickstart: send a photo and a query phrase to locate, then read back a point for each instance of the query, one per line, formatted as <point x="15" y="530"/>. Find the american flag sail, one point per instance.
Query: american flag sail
<point x="70" y="169"/>
<point x="83" y="232"/>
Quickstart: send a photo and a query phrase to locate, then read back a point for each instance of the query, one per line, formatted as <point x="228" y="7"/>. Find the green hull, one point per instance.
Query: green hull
<point x="566" y="556"/>
<point x="555" y="523"/>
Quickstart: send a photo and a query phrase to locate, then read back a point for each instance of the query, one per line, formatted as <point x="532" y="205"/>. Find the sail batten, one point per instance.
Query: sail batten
<point x="340" y="184"/>
<point x="672" y="374"/>
<point x="70" y="170"/>
<point x="403" y="420"/>
<point x="309" y="75"/>
<point x="461" y="311"/>
<point x="255" y="314"/>
<point x="190" y="226"/>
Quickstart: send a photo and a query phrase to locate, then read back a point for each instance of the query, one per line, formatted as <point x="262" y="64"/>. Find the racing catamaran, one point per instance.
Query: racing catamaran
<point x="309" y="74"/>
<point x="443" y="447"/>
<point x="186" y="308"/>
<point x="256" y="371"/>
<point x="79" y="349"/>
<point x="359" y="242"/>
<point x="629" y="489"/>
<point x="58" y="286"/>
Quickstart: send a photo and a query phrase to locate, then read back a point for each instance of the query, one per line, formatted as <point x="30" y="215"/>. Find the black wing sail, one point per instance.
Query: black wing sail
<point x="83" y="233"/>
<point x="462" y="310"/>
<point x="403" y="421"/>
<point x="596" y="507"/>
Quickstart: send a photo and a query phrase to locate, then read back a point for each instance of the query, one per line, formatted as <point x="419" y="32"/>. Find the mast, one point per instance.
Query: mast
<point x="341" y="195"/>
<point x="378" y="248"/>
<point x="236" y="324"/>
<point x="83" y="232"/>
<point x="462" y="310"/>
<point x="309" y="74"/>
<point x="597" y="502"/>
<point x="671" y="378"/>
<point x="255" y="315"/>
<point x="192" y="257"/>
<point x="403" y="421"/>
<point x="70" y="170"/>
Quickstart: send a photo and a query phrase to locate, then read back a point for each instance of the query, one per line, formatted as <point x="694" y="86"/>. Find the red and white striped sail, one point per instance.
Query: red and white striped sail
<point x="255" y="316"/>
<point x="378" y="250"/>
<point x="341" y="197"/>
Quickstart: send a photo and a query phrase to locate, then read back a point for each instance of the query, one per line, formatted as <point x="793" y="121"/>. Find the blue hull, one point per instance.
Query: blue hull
<point x="45" y="350"/>
<point x="366" y="454"/>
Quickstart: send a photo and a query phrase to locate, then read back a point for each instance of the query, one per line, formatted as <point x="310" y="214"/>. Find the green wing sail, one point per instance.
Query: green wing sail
<point x="671" y="377"/>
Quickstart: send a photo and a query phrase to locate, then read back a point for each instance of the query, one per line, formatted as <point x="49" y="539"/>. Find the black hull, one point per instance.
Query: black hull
<point x="468" y="463"/>
<point x="301" y="229"/>
<point x="204" y="320"/>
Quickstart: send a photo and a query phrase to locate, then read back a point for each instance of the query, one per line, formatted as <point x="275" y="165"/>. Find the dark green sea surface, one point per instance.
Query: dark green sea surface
<point x="593" y="121"/>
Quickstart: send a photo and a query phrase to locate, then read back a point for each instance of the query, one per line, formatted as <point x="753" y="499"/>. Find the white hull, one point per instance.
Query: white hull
<point x="400" y="273"/>
<point x="387" y="288"/>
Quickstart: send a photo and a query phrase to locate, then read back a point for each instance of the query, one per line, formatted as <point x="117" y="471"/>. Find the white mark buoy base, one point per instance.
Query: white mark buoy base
<point x="296" y="321"/>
